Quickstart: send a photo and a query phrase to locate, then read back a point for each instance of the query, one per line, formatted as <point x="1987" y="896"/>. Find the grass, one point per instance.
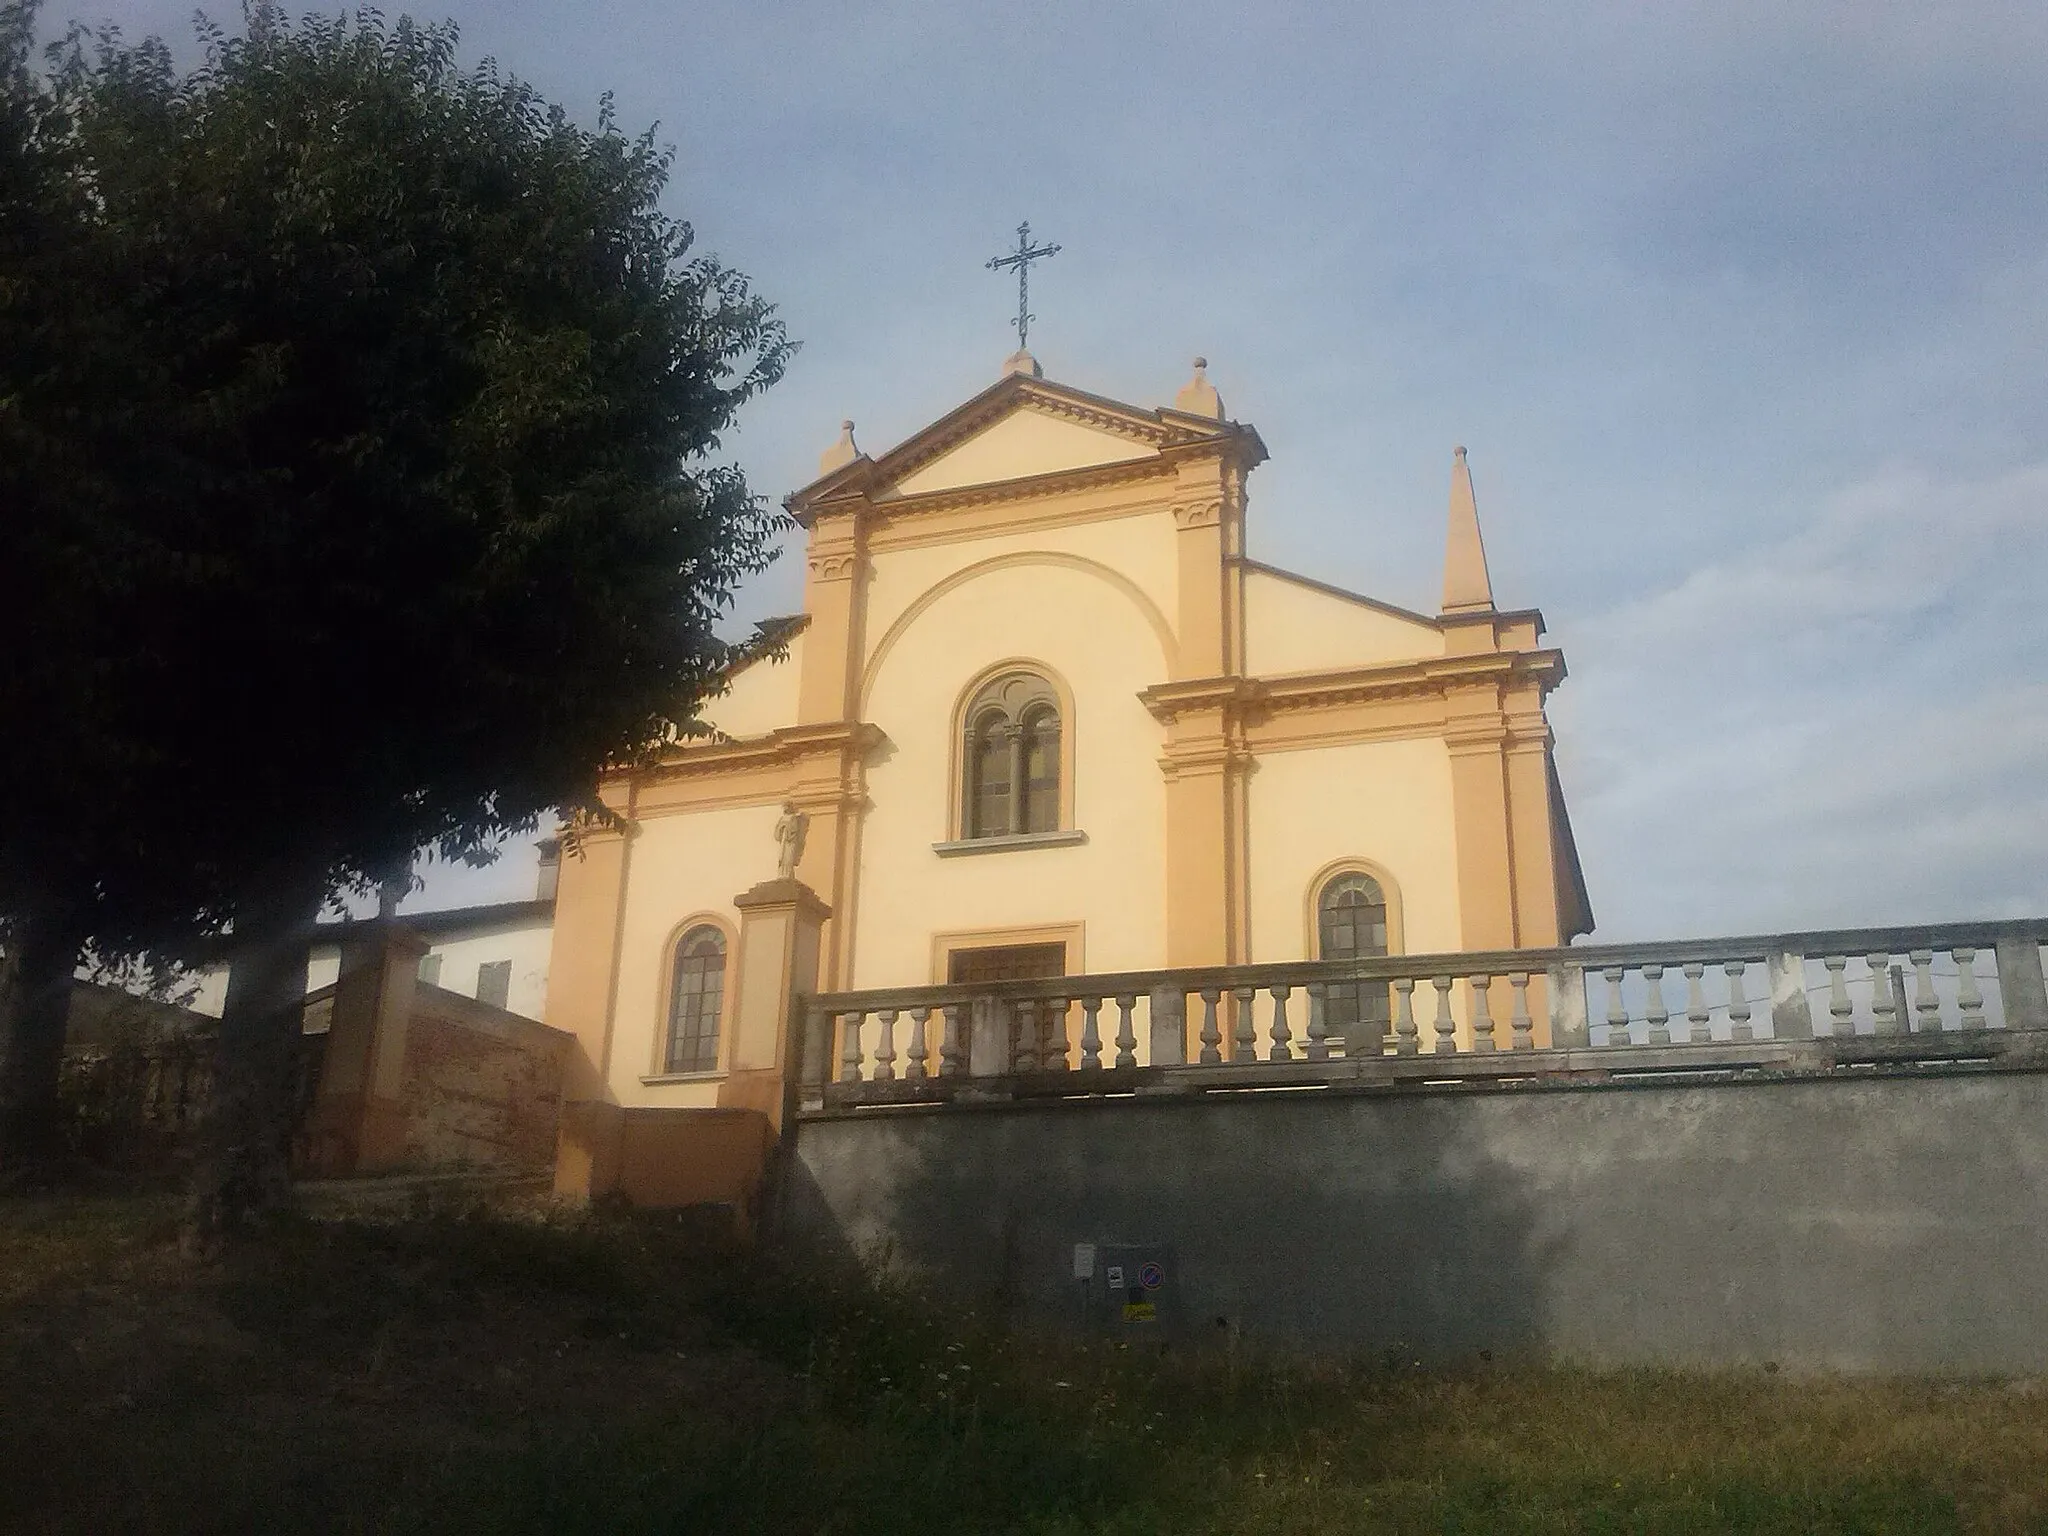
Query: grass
<point x="618" y="1376"/>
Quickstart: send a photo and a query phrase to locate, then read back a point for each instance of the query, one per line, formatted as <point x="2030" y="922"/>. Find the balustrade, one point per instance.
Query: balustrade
<point x="1887" y="987"/>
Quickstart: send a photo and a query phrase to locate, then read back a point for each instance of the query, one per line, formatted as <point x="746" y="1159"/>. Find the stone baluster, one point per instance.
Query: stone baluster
<point x="1126" y="1031"/>
<point x="1318" y="1031"/>
<point x="885" y="1048"/>
<point x="913" y="1069"/>
<point x="1052" y="1055"/>
<point x="1617" y="1010"/>
<point x="1244" y="1032"/>
<point x="1841" y="1012"/>
<point x="1212" y="1036"/>
<point x="1521" y="1028"/>
<point x="1282" y="1035"/>
<point x="1091" y="1036"/>
<point x="1654" y="1011"/>
<point x="1404" y="1018"/>
<point x="1446" y="1026"/>
<point x="952" y="1048"/>
<point x="1969" y="1001"/>
<point x="849" y="1046"/>
<point x="1926" y="1006"/>
<point x="1024" y="1034"/>
<point x="1884" y="1008"/>
<point x="1738" y="1000"/>
<point x="1482" y="1014"/>
<point x="1699" y="1024"/>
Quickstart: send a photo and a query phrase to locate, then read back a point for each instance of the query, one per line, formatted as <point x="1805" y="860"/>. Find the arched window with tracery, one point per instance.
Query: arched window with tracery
<point x="1011" y="758"/>
<point x="1351" y="924"/>
<point x="696" y="996"/>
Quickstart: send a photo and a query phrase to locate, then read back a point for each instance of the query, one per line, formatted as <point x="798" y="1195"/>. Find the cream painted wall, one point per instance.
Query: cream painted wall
<point x="762" y="697"/>
<point x="679" y="866"/>
<point x="1140" y="548"/>
<point x="1388" y="802"/>
<point x="1291" y="626"/>
<point x="1095" y="639"/>
<point x="1026" y="442"/>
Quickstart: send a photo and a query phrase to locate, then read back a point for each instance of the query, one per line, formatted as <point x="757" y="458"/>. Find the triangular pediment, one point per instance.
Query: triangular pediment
<point x="1015" y="446"/>
<point x="1019" y="429"/>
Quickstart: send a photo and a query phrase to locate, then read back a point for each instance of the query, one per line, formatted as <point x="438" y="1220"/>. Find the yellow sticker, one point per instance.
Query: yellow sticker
<point x="1140" y="1312"/>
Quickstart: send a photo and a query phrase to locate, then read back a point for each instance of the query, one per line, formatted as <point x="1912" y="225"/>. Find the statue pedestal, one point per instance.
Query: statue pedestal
<point x="777" y="961"/>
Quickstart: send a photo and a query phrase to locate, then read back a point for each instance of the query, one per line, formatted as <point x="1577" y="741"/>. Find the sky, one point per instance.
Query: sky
<point x="1742" y="310"/>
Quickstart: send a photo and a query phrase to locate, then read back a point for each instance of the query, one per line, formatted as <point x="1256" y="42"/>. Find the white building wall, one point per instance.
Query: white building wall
<point x="526" y="945"/>
<point x="1384" y="802"/>
<point x="1096" y="640"/>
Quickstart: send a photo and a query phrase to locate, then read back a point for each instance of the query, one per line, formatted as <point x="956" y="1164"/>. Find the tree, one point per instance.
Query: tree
<point x="73" y="390"/>
<point x="431" y="519"/>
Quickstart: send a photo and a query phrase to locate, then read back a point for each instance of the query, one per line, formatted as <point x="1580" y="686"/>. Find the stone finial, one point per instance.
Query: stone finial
<point x="1198" y="396"/>
<point x="1023" y="362"/>
<point x="841" y="453"/>
<point x="1467" y="589"/>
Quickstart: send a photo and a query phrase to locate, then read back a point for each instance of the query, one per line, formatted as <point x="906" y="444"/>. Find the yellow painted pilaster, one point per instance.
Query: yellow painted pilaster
<point x="1479" y="800"/>
<point x="1534" y="839"/>
<point x="828" y="688"/>
<point x="583" y="962"/>
<point x="830" y="789"/>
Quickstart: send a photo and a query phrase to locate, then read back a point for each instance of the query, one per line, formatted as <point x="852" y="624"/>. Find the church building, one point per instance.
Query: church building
<point x="1043" y="713"/>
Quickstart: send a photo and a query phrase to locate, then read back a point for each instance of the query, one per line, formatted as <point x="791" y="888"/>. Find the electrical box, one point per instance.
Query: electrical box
<point x="1136" y="1289"/>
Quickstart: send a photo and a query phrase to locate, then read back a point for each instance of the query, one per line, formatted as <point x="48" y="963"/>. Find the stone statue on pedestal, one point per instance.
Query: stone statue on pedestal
<point x="789" y="840"/>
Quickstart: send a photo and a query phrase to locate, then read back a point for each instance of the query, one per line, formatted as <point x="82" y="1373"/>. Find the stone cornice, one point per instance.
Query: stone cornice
<point x="1428" y="678"/>
<point x="788" y="746"/>
<point x="1170" y="434"/>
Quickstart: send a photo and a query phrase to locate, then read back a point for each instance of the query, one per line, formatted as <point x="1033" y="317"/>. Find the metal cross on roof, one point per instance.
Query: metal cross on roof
<point x="1021" y="259"/>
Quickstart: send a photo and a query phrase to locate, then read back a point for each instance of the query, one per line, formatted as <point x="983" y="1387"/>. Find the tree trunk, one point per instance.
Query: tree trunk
<point x="34" y="1011"/>
<point x="243" y="1172"/>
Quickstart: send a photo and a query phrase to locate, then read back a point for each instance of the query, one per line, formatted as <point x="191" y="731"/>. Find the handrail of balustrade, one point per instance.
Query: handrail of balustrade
<point x="1459" y="963"/>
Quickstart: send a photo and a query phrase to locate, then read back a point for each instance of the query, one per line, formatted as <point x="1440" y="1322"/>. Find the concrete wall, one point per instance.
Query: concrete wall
<point x="1870" y="1224"/>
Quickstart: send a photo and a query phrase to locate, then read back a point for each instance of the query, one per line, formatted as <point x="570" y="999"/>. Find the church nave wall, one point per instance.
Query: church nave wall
<point x="1134" y="556"/>
<point x="1100" y="650"/>
<point x="762" y="696"/>
<point x="1384" y="803"/>
<point x="682" y="866"/>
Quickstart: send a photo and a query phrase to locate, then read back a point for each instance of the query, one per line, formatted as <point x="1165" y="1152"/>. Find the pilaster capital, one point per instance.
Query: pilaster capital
<point x="1206" y="513"/>
<point x="835" y="565"/>
<point x="1476" y="738"/>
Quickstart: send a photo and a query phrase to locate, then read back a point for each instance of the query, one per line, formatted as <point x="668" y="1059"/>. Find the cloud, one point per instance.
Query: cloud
<point x="1847" y="724"/>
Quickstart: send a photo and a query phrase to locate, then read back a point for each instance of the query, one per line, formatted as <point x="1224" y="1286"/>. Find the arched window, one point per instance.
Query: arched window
<point x="696" y="995"/>
<point x="1351" y="924"/>
<point x="1012" y="758"/>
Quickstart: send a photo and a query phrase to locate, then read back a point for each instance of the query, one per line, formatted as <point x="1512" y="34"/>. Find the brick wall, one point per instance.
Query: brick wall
<point x="482" y="1086"/>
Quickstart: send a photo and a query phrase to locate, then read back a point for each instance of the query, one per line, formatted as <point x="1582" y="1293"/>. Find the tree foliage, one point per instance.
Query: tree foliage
<point x="362" y="415"/>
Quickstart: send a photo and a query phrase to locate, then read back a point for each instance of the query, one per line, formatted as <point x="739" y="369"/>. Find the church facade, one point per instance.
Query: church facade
<point x="1044" y="714"/>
